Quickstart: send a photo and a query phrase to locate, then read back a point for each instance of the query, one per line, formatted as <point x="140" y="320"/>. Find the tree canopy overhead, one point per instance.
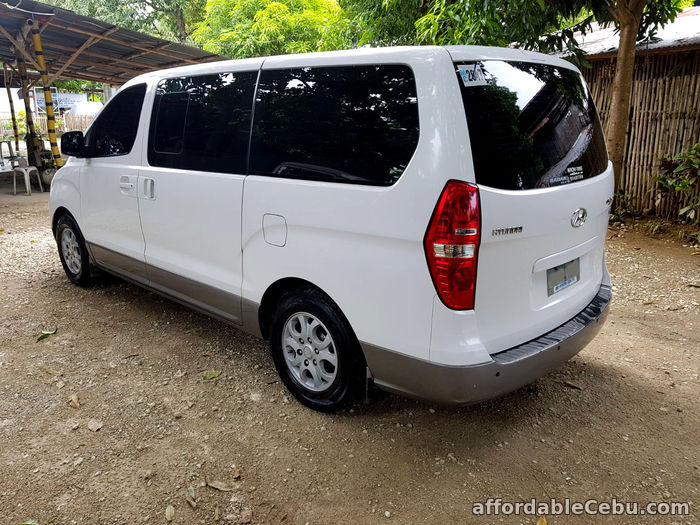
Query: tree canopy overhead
<point x="169" y="19"/>
<point x="245" y="28"/>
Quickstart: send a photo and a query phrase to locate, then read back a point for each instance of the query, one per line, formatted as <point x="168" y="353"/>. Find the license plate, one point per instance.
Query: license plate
<point x="562" y="276"/>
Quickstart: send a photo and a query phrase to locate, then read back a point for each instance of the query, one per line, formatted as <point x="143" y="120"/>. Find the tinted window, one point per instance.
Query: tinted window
<point x="354" y="124"/>
<point x="202" y="123"/>
<point x="530" y="125"/>
<point x="114" y="131"/>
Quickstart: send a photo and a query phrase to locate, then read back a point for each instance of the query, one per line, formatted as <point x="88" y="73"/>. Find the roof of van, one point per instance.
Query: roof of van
<point x="457" y="53"/>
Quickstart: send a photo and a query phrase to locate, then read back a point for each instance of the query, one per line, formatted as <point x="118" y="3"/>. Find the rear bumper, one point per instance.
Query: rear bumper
<point x="507" y="371"/>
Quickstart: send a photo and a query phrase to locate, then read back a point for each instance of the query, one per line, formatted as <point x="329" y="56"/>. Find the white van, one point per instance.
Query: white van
<point x="429" y="219"/>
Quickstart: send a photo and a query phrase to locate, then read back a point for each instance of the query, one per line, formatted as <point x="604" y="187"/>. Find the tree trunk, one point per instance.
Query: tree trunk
<point x="629" y="16"/>
<point x="181" y="26"/>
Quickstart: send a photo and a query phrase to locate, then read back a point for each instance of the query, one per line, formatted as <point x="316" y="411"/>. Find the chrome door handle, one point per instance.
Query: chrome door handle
<point x="149" y="188"/>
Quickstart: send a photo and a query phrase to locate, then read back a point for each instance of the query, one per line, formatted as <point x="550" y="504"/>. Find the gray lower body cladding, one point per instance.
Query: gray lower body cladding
<point x="507" y="371"/>
<point x="392" y="371"/>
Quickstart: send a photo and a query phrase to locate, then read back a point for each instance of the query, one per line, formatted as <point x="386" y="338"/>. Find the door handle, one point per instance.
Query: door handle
<point x="126" y="185"/>
<point x="149" y="188"/>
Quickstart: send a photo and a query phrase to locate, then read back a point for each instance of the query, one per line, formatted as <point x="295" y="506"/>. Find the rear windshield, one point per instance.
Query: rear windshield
<point x="530" y="125"/>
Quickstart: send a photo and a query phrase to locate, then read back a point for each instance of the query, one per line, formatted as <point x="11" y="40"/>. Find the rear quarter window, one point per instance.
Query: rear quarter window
<point x="351" y="124"/>
<point x="530" y="125"/>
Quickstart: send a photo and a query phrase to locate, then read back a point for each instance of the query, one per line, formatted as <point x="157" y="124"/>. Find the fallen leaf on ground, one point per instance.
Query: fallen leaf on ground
<point x="211" y="375"/>
<point x="74" y="401"/>
<point x="573" y="385"/>
<point x="237" y="473"/>
<point x="94" y="425"/>
<point x="60" y="384"/>
<point x="220" y="485"/>
<point x="189" y="497"/>
<point x="46" y="333"/>
<point x="542" y="521"/>
<point x="169" y="512"/>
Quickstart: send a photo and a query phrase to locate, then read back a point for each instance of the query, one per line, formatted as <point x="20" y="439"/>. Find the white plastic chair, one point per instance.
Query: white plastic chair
<point x="23" y="168"/>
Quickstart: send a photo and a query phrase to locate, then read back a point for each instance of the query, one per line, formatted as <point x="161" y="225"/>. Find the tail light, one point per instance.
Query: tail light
<point x="452" y="244"/>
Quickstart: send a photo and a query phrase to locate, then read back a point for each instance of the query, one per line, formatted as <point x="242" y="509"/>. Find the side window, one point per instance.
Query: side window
<point x="114" y="131"/>
<point x="202" y="123"/>
<point x="352" y="124"/>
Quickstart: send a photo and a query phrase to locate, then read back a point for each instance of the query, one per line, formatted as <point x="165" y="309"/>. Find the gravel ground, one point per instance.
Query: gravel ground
<point x="619" y="421"/>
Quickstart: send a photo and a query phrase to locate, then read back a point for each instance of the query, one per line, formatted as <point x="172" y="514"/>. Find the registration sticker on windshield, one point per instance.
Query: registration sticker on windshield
<point x="472" y="75"/>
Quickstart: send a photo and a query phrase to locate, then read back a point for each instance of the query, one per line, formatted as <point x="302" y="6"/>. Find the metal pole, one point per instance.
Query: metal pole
<point x="33" y="150"/>
<point x="50" y="117"/>
<point x="12" y="108"/>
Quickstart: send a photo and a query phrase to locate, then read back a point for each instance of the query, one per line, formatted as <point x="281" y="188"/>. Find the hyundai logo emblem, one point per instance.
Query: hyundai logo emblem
<point x="579" y="217"/>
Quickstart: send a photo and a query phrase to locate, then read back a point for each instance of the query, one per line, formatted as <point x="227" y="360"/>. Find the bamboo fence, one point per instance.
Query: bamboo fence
<point x="664" y="119"/>
<point x="63" y="124"/>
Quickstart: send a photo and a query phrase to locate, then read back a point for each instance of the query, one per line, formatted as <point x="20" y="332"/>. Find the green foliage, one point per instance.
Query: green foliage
<point x="624" y="206"/>
<point x="679" y="178"/>
<point x="169" y="19"/>
<point x="377" y="23"/>
<point x="246" y="28"/>
<point x="691" y="237"/>
<point x="533" y="24"/>
<point x="77" y="86"/>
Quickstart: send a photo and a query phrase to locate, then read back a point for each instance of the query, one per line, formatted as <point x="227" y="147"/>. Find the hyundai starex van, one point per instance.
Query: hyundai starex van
<point x="431" y="220"/>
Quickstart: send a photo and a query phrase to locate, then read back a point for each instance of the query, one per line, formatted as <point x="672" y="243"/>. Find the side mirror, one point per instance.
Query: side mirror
<point x="73" y="144"/>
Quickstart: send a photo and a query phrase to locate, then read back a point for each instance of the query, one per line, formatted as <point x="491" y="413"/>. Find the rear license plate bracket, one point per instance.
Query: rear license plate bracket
<point x="563" y="276"/>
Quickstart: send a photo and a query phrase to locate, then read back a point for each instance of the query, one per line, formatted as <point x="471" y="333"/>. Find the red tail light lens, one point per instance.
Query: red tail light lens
<point x="452" y="244"/>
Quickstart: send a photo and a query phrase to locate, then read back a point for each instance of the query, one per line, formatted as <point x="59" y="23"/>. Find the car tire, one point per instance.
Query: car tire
<point x="315" y="351"/>
<point x="73" y="252"/>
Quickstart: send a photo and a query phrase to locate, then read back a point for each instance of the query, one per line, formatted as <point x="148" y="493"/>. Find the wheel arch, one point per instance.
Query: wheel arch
<point x="57" y="214"/>
<point x="279" y="288"/>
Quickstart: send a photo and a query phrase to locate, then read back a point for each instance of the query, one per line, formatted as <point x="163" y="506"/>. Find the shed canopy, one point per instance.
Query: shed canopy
<point x="81" y="47"/>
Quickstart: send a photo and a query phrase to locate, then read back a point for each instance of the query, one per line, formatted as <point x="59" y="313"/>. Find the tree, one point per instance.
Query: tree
<point x="549" y="25"/>
<point x="372" y="23"/>
<point x="246" y="28"/>
<point x="169" y="19"/>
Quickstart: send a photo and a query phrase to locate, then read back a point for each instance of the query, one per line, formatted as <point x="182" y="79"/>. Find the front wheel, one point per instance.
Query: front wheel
<point x="315" y="352"/>
<point x="72" y="251"/>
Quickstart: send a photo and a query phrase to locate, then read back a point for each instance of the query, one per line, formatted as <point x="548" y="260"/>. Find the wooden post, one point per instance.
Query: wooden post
<point x="12" y="108"/>
<point x="33" y="148"/>
<point x="50" y="116"/>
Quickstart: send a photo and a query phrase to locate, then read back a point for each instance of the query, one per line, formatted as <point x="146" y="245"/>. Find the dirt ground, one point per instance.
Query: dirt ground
<point x="621" y="420"/>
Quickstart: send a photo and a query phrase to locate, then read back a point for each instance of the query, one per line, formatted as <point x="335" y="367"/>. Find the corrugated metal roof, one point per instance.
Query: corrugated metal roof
<point x="113" y="56"/>
<point x="683" y="31"/>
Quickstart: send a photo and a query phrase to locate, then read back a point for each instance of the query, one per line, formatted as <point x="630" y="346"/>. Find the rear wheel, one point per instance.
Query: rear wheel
<point x="73" y="252"/>
<point x="315" y="352"/>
